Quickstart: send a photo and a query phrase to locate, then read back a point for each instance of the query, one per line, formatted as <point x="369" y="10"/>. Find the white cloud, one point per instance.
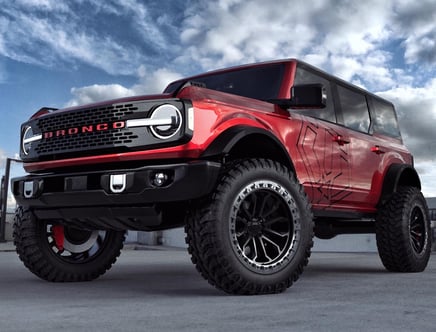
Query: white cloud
<point x="46" y="5"/>
<point x="415" y="22"/>
<point x="416" y="107"/>
<point x="154" y="82"/>
<point x="28" y="34"/>
<point x="427" y="174"/>
<point x="3" y="157"/>
<point x="150" y="83"/>
<point x="96" y="92"/>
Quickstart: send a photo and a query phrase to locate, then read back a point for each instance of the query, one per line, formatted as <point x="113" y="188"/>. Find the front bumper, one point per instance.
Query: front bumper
<point x="115" y="199"/>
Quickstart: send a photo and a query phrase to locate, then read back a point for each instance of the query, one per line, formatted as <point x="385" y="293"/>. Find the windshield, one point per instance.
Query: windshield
<point x="260" y="82"/>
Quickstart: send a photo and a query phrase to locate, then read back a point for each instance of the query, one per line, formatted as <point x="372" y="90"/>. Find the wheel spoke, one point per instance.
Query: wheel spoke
<point x="253" y="240"/>
<point x="282" y="234"/>
<point x="417" y="231"/>
<point x="245" y="211"/>
<point x="279" y="219"/>
<point x="265" y="200"/>
<point x="273" y="209"/>
<point x="241" y="220"/>
<point x="249" y="206"/>
<point x="264" y="237"/>
<point x="262" y="245"/>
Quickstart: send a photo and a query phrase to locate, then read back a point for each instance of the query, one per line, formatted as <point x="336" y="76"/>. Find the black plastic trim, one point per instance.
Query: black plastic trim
<point x="185" y="181"/>
<point x="393" y="179"/>
<point x="224" y="143"/>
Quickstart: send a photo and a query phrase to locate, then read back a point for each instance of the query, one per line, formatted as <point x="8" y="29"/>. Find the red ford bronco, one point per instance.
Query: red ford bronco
<point x="253" y="161"/>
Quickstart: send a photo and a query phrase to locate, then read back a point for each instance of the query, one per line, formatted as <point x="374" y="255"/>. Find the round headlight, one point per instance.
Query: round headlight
<point x="28" y="138"/>
<point x="26" y="141"/>
<point x="168" y="121"/>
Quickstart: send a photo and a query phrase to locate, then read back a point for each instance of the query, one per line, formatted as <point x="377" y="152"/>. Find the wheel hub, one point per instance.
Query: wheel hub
<point x="78" y="241"/>
<point x="417" y="231"/>
<point x="255" y="227"/>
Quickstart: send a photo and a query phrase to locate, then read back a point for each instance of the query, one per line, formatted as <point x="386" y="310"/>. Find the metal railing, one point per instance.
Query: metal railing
<point x="4" y="197"/>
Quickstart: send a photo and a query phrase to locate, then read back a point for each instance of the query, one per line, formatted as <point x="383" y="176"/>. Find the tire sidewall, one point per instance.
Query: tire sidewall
<point x="229" y="256"/>
<point x="417" y="201"/>
<point x="393" y="231"/>
<point x="33" y="248"/>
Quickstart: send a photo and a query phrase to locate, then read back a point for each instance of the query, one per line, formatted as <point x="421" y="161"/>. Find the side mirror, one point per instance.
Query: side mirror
<point x="308" y="96"/>
<point x="304" y="96"/>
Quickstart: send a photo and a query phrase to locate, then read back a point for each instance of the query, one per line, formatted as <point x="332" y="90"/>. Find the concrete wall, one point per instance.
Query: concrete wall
<point x="8" y="226"/>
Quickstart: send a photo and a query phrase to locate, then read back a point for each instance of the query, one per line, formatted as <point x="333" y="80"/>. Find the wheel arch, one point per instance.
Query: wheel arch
<point x="396" y="176"/>
<point x="240" y="142"/>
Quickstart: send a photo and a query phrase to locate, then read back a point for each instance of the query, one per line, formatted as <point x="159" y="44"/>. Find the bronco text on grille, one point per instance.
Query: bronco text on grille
<point x="85" y="129"/>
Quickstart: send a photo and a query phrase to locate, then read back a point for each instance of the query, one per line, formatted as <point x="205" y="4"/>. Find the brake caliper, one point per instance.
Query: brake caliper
<point x="58" y="235"/>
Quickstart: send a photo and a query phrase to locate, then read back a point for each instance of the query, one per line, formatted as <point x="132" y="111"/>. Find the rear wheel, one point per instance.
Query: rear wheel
<point x="254" y="235"/>
<point x="60" y="253"/>
<point x="403" y="231"/>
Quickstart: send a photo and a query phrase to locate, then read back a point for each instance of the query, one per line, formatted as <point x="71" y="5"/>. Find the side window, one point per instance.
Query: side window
<point x="385" y="121"/>
<point x="307" y="77"/>
<point x="354" y="109"/>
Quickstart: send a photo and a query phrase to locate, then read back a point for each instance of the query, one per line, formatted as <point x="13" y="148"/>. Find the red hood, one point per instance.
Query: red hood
<point x="203" y="94"/>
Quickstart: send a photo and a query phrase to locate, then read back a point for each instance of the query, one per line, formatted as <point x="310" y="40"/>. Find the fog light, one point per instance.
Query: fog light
<point x="159" y="179"/>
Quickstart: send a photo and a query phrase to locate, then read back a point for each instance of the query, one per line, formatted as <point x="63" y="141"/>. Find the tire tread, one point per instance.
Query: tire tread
<point x="206" y="253"/>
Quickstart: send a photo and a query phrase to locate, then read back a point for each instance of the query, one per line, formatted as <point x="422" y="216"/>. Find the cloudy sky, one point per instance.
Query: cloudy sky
<point x="58" y="53"/>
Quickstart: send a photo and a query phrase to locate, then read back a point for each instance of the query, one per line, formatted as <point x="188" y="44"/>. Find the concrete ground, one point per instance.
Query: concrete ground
<point x="160" y="290"/>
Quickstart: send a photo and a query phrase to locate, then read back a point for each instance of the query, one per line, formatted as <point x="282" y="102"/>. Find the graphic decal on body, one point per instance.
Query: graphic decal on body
<point x="327" y="164"/>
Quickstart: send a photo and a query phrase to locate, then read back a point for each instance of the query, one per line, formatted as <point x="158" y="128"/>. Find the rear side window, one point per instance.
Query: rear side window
<point x="385" y="121"/>
<point x="354" y="109"/>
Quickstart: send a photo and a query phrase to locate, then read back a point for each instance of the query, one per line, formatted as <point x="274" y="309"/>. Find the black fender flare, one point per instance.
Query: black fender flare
<point x="397" y="175"/>
<point x="223" y="144"/>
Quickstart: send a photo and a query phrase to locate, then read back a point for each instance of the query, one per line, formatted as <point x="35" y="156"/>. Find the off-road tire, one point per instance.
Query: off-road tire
<point x="35" y="247"/>
<point x="403" y="231"/>
<point x="254" y="234"/>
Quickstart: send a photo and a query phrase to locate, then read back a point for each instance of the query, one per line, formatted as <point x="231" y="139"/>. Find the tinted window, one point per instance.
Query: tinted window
<point x="306" y="77"/>
<point x="354" y="109"/>
<point x="385" y="121"/>
<point x="261" y="82"/>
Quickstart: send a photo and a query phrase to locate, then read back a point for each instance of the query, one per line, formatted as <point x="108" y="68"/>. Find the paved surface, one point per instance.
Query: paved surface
<point x="159" y="290"/>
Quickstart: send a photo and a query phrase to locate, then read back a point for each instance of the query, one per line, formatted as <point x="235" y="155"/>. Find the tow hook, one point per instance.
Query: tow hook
<point x="117" y="183"/>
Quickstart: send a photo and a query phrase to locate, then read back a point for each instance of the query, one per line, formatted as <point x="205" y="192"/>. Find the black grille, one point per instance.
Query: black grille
<point x="97" y="139"/>
<point x="63" y="120"/>
<point x="81" y="132"/>
<point x="110" y="138"/>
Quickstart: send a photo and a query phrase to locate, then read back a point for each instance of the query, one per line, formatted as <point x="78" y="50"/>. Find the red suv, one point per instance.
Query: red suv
<point x="253" y="161"/>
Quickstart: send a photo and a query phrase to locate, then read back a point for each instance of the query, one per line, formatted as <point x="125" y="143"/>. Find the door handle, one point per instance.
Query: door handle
<point x="341" y="140"/>
<point x="377" y="150"/>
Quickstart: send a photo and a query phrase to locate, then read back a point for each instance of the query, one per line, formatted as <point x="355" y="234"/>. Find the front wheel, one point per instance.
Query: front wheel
<point x="61" y="253"/>
<point x="255" y="233"/>
<point x="403" y="231"/>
